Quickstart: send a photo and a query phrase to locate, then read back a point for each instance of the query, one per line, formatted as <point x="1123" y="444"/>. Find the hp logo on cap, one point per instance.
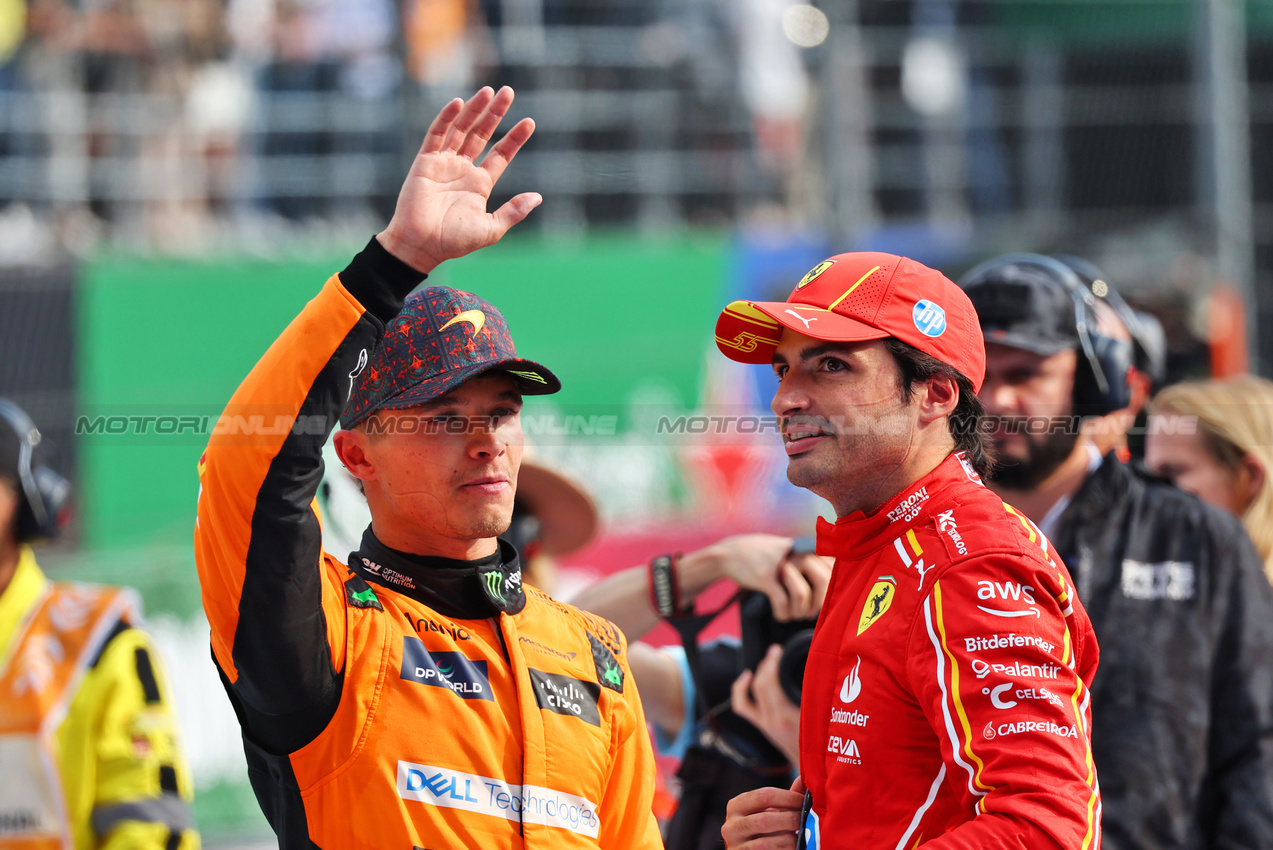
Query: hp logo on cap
<point x="929" y="318"/>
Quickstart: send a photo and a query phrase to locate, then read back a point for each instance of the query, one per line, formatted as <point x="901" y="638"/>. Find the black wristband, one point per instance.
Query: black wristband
<point x="665" y="591"/>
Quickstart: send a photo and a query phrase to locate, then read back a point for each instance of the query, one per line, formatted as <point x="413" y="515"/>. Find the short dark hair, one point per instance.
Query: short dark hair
<point x="967" y="420"/>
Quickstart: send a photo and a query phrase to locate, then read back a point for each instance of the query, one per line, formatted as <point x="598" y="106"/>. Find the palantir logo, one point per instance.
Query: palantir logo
<point x="454" y="671"/>
<point x="929" y="318"/>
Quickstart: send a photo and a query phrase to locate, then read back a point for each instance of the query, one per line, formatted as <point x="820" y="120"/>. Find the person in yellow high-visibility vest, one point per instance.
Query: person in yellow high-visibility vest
<point x="88" y="744"/>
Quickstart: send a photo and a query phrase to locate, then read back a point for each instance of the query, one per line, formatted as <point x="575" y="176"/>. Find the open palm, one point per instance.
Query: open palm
<point x="441" y="211"/>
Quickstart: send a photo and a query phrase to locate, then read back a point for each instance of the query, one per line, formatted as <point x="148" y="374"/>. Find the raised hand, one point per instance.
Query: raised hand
<point x="441" y="211"/>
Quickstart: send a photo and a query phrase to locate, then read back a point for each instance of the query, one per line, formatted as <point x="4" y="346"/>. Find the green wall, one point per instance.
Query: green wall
<point x="607" y="314"/>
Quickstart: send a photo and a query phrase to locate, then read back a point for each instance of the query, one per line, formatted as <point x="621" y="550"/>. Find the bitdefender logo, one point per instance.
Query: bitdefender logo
<point x="454" y="671"/>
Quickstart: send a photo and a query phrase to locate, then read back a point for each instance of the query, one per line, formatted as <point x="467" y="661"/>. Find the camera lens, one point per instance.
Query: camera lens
<point x="795" y="655"/>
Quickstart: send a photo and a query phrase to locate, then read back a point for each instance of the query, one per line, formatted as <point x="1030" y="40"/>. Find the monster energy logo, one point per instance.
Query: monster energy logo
<point x="494" y="582"/>
<point x="365" y="596"/>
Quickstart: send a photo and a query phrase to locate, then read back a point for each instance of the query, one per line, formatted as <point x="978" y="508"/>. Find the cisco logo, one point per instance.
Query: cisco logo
<point x="929" y="318"/>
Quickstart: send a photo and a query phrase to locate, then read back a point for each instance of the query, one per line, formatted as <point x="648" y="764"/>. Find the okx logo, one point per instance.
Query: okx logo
<point x="462" y="676"/>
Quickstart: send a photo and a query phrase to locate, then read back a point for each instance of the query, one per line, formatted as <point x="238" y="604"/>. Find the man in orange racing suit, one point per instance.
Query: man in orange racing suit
<point x="420" y="696"/>
<point x="946" y="697"/>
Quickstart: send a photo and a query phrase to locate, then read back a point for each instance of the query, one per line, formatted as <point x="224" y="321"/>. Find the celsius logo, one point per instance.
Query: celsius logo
<point x="996" y="696"/>
<point x="454" y="671"/>
<point x="852" y="685"/>
<point x="929" y="318"/>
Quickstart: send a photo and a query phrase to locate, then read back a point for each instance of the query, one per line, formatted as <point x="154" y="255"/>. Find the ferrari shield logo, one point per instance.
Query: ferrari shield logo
<point x="814" y="273"/>
<point x="878" y="600"/>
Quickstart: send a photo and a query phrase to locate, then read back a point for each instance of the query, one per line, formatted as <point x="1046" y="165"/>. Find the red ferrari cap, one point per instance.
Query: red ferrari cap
<point x="857" y="297"/>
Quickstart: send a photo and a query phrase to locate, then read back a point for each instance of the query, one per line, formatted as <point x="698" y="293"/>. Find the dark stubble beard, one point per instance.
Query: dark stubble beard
<point x="1043" y="455"/>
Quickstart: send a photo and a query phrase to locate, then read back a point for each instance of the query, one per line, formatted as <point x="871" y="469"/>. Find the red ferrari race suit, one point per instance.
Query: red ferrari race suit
<point x="948" y="698"/>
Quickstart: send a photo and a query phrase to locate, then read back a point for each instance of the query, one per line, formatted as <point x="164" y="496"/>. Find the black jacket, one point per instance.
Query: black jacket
<point x="1182" y="705"/>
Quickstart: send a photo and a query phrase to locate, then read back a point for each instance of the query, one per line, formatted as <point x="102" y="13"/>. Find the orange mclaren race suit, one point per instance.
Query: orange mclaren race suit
<point x="398" y="701"/>
<point x="950" y="707"/>
<point x="88" y="740"/>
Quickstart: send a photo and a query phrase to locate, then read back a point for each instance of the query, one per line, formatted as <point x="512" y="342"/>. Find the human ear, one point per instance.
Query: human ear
<point x="939" y="397"/>
<point x="351" y="448"/>
<point x="1250" y="482"/>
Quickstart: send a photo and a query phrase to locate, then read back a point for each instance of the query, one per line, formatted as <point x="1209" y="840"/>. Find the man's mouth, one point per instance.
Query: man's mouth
<point x="488" y="484"/>
<point x="798" y="439"/>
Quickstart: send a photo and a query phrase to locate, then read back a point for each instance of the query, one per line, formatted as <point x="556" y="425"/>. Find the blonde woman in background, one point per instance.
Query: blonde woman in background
<point x="1227" y="458"/>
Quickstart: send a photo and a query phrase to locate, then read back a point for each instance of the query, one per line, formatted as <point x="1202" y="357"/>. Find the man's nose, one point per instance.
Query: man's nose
<point x="789" y="398"/>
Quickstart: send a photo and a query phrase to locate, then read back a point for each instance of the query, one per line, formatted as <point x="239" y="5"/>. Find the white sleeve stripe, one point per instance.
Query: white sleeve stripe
<point x="919" y="813"/>
<point x="901" y="550"/>
<point x="945" y="702"/>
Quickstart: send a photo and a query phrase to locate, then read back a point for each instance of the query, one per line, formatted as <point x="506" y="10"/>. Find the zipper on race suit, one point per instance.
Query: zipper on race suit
<point x="508" y="658"/>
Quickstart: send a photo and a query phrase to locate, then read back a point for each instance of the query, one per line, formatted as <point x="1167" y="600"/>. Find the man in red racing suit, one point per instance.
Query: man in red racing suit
<point x="946" y="697"/>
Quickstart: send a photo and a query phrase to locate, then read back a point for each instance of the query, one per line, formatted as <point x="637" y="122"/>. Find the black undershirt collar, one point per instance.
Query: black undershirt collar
<point x="465" y="590"/>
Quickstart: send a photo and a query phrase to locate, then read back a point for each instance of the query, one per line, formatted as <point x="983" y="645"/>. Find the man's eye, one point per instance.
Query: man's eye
<point x="831" y="364"/>
<point x="780" y="372"/>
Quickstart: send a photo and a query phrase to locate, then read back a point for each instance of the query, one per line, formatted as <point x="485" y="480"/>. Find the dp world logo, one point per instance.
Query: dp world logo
<point x="929" y="318"/>
<point x="465" y="678"/>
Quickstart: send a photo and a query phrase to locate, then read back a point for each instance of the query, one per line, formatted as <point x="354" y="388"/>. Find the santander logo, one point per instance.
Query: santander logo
<point x="852" y="685"/>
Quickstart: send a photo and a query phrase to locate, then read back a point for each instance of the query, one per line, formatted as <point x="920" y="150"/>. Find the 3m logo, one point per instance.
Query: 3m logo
<point x="485" y="795"/>
<point x="454" y="671"/>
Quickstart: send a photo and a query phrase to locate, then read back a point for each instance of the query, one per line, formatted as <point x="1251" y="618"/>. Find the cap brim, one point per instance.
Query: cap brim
<point x="532" y="379"/>
<point x="567" y="515"/>
<point x="749" y="331"/>
<point x="1033" y="343"/>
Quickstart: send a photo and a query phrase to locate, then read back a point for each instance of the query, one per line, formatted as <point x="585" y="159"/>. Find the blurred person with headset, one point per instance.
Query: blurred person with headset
<point x="418" y="693"/>
<point x="88" y="741"/>
<point x="1225" y="457"/>
<point x="1183" y="707"/>
<point x="937" y="585"/>
<point x="730" y="709"/>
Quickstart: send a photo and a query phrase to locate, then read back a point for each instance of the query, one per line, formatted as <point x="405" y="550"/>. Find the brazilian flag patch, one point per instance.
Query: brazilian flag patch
<point x="360" y="595"/>
<point x="609" y="671"/>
